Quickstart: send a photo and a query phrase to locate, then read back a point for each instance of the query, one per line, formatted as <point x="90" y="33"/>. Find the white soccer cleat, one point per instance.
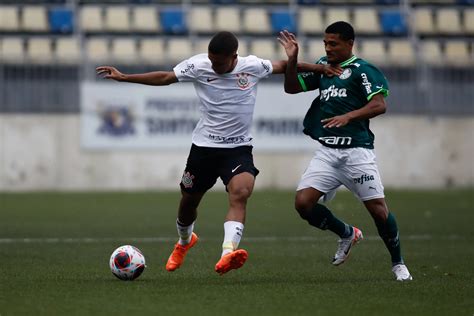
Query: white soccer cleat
<point x="401" y="272"/>
<point x="345" y="245"/>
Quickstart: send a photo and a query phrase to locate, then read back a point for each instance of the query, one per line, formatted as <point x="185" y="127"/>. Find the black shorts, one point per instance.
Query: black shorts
<point x="206" y="164"/>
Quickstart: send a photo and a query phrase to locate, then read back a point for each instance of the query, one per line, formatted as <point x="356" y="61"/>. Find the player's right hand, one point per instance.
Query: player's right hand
<point x="289" y="43"/>
<point x="332" y="70"/>
<point x="110" y="73"/>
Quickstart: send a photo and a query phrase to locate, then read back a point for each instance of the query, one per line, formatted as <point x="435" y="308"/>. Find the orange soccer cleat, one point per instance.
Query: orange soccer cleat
<point x="176" y="258"/>
<point x="233" y="260"/>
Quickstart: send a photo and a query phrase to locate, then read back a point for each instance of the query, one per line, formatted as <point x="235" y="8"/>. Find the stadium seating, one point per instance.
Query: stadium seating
<point x="256" y="21"/>
<point x="201" y="20"/>
<point x="366" y="21"/>
<point x="431" y="52"/>
<point x="173" y="21"/>
<point x="393" y="23"/>
<point x="39" y="50"/>
<point x="152" y="51"/>
<point x="9" y="19"/>
<point x="124" y="50"/>
<point x="30" y="29"/>
<point x="401" y="52"/>
<point x="61" y="20"/>
<point x="457" y="53"/>
<point x="68" y="50"/>
<point x="12" y="49"/>
<point x="179" y="49"/>
<point x="282" y="20"/>
<point x="117" y="19"/>
<point x="97" y="50"/>
<point x="311" y="21"/>
<point x="228" y="18"/>
<point x="448" y="21"/>
<point x="34" y="19"/>
<point x="145" y="20"/>
<point x="468" y="25"/>
<point x="91" y="19"/>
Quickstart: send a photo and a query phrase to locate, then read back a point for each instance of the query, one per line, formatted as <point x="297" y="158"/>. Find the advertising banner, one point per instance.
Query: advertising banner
<point x="118" y="115"/>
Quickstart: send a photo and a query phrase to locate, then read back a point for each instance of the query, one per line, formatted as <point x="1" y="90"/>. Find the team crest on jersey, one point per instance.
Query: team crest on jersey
<point x="345" y="74"/>
<point x="243" y="80"/>
<point x="187" y="180"/>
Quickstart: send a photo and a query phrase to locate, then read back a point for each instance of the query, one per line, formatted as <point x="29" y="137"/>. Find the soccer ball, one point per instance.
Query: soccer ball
<point x="127" y="263"/>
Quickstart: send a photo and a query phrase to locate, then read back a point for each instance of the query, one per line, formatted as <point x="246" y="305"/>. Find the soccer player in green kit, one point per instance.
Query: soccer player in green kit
<point x="339" y="119"/>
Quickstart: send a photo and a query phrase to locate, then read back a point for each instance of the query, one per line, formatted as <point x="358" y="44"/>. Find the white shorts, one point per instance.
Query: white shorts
<point x="355" y="168"/>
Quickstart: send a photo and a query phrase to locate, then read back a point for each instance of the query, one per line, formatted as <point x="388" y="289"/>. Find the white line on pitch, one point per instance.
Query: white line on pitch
<point x="173" y="239"/>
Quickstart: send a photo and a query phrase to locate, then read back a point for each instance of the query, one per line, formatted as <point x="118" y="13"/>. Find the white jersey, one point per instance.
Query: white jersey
<point x="227" y="101"/>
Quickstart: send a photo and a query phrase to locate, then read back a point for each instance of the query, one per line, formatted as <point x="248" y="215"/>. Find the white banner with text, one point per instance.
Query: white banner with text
<point x="130" y="116"/>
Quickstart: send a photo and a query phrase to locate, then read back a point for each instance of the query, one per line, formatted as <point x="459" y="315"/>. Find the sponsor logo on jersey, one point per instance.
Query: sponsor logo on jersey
<point x="187" y="69"/>
<point x="336" y="140"/>
<point x="345" y="74"/>
<point x="228" y="140"/>
<point x="366" y="83"/>
<point x="265" y="66"/>
<point x="363" y="178"/>
<point x="333" y="92"/>
<point x="187" y="180"/>
<point x="211" y="79"/>
<point x="243" y="80"/>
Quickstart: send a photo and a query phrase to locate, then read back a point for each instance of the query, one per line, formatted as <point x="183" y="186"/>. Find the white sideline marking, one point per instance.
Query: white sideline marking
<point x="173" y="239"/>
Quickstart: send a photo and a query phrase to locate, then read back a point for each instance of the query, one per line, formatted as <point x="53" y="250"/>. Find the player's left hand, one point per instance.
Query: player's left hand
<point x="336" y="121"/>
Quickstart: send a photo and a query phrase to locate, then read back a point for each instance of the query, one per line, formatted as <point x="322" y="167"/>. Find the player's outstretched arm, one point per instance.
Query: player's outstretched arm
<point x="155" y="78"/>
<point x="289" y="43"/>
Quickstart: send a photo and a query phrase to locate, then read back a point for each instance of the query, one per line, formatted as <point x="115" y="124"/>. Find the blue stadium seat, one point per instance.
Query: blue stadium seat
<point x="61" y="20"/>
<point x="466" y="2"/>
<point x="393" y="23"/>
<point x="173" y="21"/>
<point x="283" y="20"/>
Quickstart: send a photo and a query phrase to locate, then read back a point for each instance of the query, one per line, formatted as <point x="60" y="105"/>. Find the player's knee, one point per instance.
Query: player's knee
<point x="241" y="193"/>
<point x="303" y="207"/>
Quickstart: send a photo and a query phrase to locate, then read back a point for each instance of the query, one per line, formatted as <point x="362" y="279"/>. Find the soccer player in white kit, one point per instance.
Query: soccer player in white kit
<point x="226" y="85"/>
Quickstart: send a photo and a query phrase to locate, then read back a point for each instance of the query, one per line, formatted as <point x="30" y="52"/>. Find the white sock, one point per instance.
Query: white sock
<point x="232" y="234"/>
<point x="185" y="233"/>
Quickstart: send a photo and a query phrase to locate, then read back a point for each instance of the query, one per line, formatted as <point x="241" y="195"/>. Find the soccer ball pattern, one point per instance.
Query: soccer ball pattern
<point x="127" y="263"/>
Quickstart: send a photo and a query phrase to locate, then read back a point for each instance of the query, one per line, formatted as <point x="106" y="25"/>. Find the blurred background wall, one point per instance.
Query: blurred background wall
<point x="49" y="51"/>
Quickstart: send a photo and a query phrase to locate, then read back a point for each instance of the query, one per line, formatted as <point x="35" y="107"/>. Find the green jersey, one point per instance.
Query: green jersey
<point x="338" y="95"/>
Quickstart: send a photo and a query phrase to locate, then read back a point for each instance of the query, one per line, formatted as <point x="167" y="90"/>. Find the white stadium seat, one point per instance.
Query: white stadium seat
<point x="145" y="20"/>
<point x="179" y="49"/>
<point x="97" y="50"/>
<point x="117" y="19"/>
<point x="201" y="20"/>
<point x="448" y="21"/>
<point x="9" y="18"/>
<point x="39" y="50"/>
<point x="34" y="19"/>
<point x="124" y="50"/>
<point x="401" y="52"/>
<point x="366" y="21"/>
<point x="311" y="21"/>
<point x="152" y="51"/>
<point x="12" y="49"/>
<point x="91" y="19"/>
<point x="256" y="21"/>
<point x="228" y="18"/>
<point x="68" y="50"/>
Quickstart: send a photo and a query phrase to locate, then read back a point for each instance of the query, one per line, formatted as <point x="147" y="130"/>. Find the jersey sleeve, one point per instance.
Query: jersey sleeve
<point x="186" y="70"/>
<point x="262" y="67"/>
<point x="309" y="80"/>
<point x="373" y="82"/>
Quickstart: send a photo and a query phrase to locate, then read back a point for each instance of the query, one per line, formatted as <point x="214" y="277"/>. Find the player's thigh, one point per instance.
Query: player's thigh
<point x="236" y="161"/>
<point x="240" y="187"/>
<point x="362" y="177"/>
<point x="320" y="174"/>
<point x="200" y="173"/>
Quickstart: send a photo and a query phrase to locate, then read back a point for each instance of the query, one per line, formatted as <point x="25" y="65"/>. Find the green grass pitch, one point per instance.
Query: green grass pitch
<point x="55" y="249"/>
